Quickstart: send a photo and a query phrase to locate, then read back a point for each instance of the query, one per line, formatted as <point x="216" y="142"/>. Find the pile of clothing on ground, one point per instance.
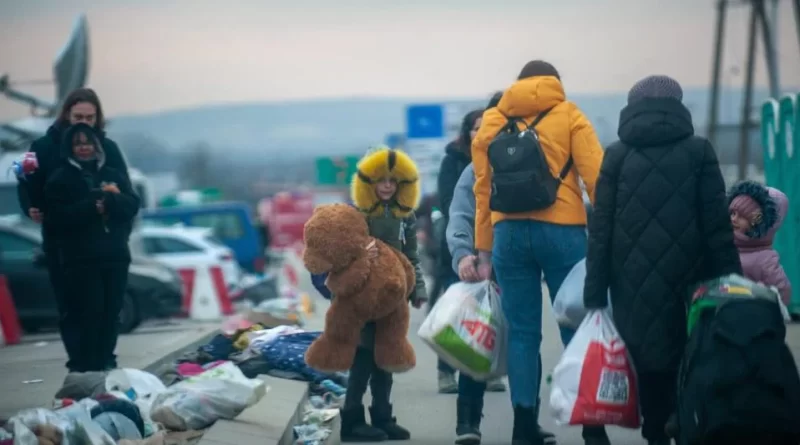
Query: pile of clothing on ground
<point x="133" y="407"/>
<point x="256" y="350"/>
<point x="319" y="413"/>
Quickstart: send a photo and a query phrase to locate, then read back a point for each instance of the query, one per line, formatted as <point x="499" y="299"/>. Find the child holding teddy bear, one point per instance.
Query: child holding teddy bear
<point x="386" y="190"/>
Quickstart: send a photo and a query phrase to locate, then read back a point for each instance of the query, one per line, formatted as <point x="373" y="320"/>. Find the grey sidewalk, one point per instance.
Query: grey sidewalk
<point x="42" y="357"/>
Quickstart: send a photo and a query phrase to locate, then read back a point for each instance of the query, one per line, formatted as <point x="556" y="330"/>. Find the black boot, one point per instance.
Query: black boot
<point x="468" y="422"/>
<point x="525" y="431"/>
<point x="382" y="419"/>
<point x="595" y="435"/>
<point x="547" y="437"/>
<point x="660" y="442"/>
<point x="355" y="428"/>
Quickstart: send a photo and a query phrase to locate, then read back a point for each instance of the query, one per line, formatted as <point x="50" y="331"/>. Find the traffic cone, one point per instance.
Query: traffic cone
<point x="10" y="330"/>
<point x="205" y="294"/>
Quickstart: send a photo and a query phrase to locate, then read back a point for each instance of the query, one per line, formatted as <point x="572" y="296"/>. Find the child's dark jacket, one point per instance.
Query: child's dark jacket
<point x="392" y="222"/>
<point x="72" y="192"/>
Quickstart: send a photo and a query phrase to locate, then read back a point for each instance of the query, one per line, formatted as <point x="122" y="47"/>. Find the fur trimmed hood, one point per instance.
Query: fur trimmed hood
<point x="774" y="205"/>
<point x="383" y="162"/>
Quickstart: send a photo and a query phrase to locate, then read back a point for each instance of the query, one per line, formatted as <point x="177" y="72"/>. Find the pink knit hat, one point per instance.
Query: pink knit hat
<point x="745" y="206"/>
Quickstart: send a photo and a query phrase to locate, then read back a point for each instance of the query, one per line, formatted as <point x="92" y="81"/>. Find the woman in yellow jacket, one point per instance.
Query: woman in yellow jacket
<point x="523" y="246"/>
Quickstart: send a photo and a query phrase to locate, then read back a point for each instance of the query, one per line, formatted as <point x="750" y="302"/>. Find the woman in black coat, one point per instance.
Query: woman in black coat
<point x="91" y="207"/>
<point x="80" y="106"/>
<point x="660" y="225"/>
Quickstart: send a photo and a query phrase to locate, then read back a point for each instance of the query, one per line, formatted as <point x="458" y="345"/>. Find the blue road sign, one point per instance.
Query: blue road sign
<point x="425" y="121"/>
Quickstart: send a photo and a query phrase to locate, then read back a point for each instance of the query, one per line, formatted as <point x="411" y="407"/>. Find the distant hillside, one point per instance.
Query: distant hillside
<point x="340" y="126"/>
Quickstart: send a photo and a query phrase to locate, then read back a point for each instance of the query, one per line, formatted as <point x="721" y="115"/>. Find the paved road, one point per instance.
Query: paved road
<point x="431" y="416"/>
<point x="42" y="357"/>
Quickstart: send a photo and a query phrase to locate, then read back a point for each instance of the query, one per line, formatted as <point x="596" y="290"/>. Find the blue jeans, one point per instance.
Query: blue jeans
<point x="523" y="250"/>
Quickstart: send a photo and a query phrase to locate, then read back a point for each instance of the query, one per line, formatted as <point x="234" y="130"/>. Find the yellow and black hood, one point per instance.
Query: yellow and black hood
<point x="383" y="162"/>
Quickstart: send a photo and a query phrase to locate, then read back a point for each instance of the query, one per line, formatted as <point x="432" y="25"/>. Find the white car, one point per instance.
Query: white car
<point x="187" y="248"/>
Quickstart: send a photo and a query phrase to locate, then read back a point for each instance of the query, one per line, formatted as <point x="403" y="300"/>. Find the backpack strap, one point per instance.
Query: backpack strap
<point x="539" y="118"/>
<point x="566" y="169"/>
<point x="570" y="162"/>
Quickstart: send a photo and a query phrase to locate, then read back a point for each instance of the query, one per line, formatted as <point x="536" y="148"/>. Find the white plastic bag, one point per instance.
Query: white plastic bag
<point x="142" y="383"/>
<point x="568" y="305"/>
<point x="467" y="329"/>
<point x="222" y="392"/>
<point x="594" y="382"/>
<point x="73" y="426"/>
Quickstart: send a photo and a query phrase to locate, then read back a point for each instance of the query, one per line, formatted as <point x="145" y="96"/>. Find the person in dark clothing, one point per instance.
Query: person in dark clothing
<point x="90" y="210"/>
<point x="80" y="106"/>
<point x="456" y="159"/>
<point x="660" y="224"/>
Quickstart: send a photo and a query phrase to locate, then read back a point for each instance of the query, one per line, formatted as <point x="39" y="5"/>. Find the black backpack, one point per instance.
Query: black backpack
<point x="521" y="178"/>
<point x="738" y="382"/>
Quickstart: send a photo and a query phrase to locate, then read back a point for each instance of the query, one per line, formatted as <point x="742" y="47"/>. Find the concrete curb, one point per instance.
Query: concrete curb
<point x="171" y="357"/>
<point x="268" y="422"/>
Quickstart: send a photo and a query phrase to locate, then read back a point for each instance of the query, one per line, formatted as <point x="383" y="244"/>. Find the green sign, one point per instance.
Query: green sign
<point x="336" y="170"/>
<point x="191" y="197"/>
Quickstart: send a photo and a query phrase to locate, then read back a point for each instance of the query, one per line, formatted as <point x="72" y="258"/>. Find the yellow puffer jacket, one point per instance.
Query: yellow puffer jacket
<point x="563" y="132"/>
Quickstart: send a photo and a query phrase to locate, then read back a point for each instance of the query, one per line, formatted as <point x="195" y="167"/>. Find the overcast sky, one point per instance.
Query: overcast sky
<point x="150" y="55"/>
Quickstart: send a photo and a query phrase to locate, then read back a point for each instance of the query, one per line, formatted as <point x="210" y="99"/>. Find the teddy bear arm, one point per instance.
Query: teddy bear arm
<point x="350" y="280"/>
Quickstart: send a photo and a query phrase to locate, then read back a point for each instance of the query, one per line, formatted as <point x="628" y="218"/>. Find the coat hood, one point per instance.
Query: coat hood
<point x="382" y="163"/>
<point x="66" y="144"/>
<point x="454" y="148"/>
<point x="774" y="206"/>
<point x="529" y="97"/>
<point x="653" y="122"/>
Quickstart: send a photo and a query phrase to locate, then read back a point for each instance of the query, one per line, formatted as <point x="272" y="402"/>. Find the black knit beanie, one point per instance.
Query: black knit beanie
<point x="537" y="68"/>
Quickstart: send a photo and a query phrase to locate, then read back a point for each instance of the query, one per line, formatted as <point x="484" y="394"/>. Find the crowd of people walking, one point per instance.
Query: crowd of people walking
<point x="662" y="221"/>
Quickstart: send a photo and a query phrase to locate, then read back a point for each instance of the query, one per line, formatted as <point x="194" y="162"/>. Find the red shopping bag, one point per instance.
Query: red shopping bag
<point x="595" y="382"/>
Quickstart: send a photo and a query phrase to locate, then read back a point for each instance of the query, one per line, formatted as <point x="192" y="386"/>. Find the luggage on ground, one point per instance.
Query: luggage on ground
<point x="738" y="381"/>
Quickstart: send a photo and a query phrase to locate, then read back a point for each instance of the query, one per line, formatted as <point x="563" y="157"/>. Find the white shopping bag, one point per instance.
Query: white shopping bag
<point x="467" y="329"/>
<point x="568" y="305"/>
<point x="595" y="382"/>
<point x="222" y="392"/>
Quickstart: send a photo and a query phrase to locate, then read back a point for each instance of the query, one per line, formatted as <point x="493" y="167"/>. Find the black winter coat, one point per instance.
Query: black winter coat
<point x="660" y="225"/>
<point x="30" y="192"/>
<point x="85" y="236"/>
<point x="453" y="164"/>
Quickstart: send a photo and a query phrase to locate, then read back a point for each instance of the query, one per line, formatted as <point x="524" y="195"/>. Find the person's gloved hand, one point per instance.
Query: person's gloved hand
<point x="418" y="301"/>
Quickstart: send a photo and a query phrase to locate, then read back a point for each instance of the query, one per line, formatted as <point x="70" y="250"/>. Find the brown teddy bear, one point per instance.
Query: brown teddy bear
<point x="365" y="289"/>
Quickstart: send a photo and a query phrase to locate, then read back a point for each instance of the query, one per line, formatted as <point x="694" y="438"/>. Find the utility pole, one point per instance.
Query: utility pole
<point x="716" y="71"/>
<point x="744" y="129"/>
<point x="797" y="18"/>
<point x="758" y="18"/>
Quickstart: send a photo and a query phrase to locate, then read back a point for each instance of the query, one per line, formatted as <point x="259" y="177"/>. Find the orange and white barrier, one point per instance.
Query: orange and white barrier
<point x="293" y="274"/>
<point x="205" y="294"/>
<point x="10" y="330"/>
